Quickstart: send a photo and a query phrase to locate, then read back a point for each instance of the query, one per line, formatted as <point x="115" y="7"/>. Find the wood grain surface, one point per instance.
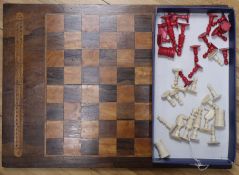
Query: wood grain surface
<point x="234" y="170"/>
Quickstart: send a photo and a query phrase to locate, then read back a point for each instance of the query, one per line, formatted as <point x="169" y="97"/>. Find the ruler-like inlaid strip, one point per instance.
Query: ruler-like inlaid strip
<point x="19" y="113"/>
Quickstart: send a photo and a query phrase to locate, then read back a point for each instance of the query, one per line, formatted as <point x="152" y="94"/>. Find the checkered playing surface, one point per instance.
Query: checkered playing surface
<point x="98" y="85"/>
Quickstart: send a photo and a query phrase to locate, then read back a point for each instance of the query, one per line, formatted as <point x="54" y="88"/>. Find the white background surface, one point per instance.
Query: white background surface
<point x="212" y="73"/>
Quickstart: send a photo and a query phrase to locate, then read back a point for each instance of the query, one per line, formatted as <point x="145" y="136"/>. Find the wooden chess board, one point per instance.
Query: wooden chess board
<point x="86" y="78"/>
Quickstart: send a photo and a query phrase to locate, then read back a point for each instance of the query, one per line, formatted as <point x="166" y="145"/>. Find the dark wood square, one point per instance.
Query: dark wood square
<point x="108" y="57"/>
<point x="108" y="23"/>
<point x="90" y="75"/>
<point x="143" y="129"/>
<point x="54" y="146"/>
<point x="30" y="137"/>
<point x="55" y="75"/>
<point x="89" y="147"/>
<point x="107" y="128"/>
<point x="54" y="111"/>
<point x="125" y="147"/>
<point x="143" y="93"/>
<point x="89" y="112"/>
<point x="72" y="128"/>
<point x="72" y="57"/>
<point x="125" y="75"/>
<point x="125" y="111"/>
<point x="90" y="40"/>
<point x="72" y="93"/>
<point x="143" y="57"/>
<point x="125" y="40"/>
<point x="143" y="23"/>
<point x="108" y="93"/>
<point x="55" y="41"/>
<point x="72" y="23"/>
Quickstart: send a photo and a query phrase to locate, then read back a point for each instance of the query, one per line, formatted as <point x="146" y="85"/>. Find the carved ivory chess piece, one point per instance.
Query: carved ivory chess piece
<point x="196" y="124"/>
<point x="176" y="76"/>
<point x="192" y="88"/>
<point x="207" y="118"/>
<point x="213" y="56"/>
<point x="219" y="121"/>
<point x="188" y="128"/>
<point x="166" y="96"/>
<point x="212" y="91"/>
<point x="180" y="123"/>
<point x="213" y="140"/>
<point x="207" y="100"/>
<point x="174" y="93"/>
<point x="165" y="123"/>
<point x="174" y="131"/>
<point x="162" y="150"/>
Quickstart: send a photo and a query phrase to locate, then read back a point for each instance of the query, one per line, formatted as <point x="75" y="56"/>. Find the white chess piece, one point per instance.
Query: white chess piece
<point x="212" y="91"/>
<point x="207" y="100"/>
<point x="165" y="123"/>
<point x="196" y="124"/>
<point x="207" y="118"/>
<point x="213" y="56"/>
<point x="175" y="94"/>
<point x="192" y="88"/>
<point x="188" y="128"/>
<point x="213" y="140"/>
<point x="166" y="96"/>
<point x="162" y="150"/>
<point x="180" y="123"/>
<point x="176" y="76"/>
<point x="219" y="121"/>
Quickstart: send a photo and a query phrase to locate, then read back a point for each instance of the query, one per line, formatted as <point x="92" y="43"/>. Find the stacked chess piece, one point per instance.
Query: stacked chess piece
<point x="205" y="118"/>
<point x="172" y="95"/>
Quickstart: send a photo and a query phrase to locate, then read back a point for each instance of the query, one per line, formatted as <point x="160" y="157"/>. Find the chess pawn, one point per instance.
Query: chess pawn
<point x="174" y="93"/>
<point x="219" y="121"/>
<point x="166" y="96"/>
<point x="176" y="76"/>
<point x="196" y="125"/>
<point x="208" y="117"/>
<point x="180" y="123"/>
<point x="213" y="56"/>
<point x="213" y="140"/>
<point x="214" y="94"/>
<point x="162" y="150"/>
<point x="188" y="128"/>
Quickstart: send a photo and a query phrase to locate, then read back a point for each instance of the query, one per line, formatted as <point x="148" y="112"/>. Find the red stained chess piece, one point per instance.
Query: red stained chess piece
<point x="211" y="47"/>
<point x="210" y="23"/>
<point x="185" y="80"/>
<point x="170" y="30"/>
<point x="203" y="36"/>
<point x="223" y="18"/>
<point x="225" y="55"/>
<point x="221" y="29"/>
<point x="195" y="69"/>
<point x="162" y="31"/>
<point x="177" y="16"/>
<point x="195" y="52"/>
<point x="166" y="51"/>
<point x="181" y="38"/>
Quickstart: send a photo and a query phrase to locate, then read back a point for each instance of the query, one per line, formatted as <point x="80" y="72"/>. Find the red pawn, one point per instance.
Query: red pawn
<point x="195" y="52"/>
<point x="225" y="55"/>
<point x="210" y="23"/>
<point x="181" y="38"/>
<point x="185" y="80"/>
